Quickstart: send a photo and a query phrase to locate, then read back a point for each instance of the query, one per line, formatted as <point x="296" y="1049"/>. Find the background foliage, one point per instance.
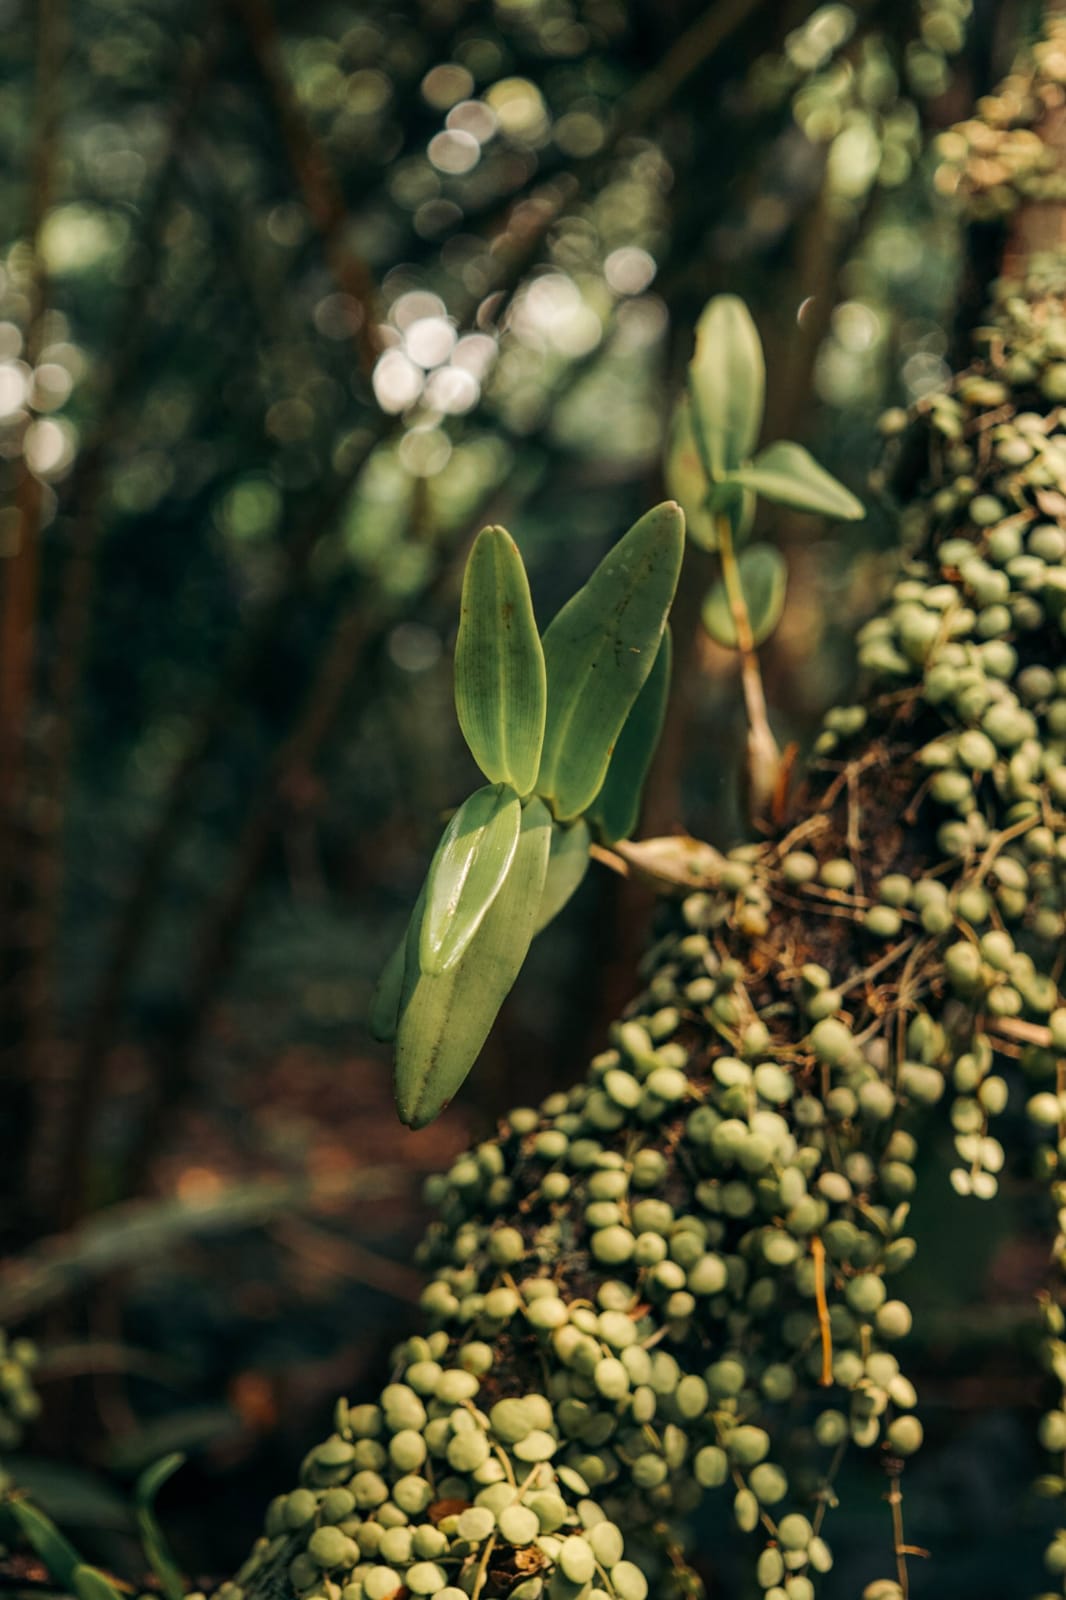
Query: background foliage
<point x="293" y="299"/>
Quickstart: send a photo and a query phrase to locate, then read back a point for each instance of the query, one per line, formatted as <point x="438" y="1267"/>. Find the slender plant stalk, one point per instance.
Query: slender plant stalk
<point x="763" y="757"/>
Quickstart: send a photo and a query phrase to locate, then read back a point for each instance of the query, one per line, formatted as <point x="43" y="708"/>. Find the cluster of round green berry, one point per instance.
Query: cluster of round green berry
<point x="997" y="158"/>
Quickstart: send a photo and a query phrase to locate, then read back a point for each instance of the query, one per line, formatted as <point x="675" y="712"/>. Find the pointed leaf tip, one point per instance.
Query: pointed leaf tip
<point x="599" y="651"/>
<point x="500" y="688"/>
<point x="787" y="473"/>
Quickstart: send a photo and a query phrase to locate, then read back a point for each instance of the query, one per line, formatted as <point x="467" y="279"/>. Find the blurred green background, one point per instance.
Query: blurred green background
<point x="293" y="299"/>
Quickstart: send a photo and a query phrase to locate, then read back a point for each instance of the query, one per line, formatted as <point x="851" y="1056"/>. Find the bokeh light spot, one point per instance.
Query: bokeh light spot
<point x="452" y="390"/>
<point x="14" y="386"/>
<point x="430" y="341"/>
<point x="49" y="447"/>
<point x="447" y="84"/>
<point x="397" y="382"/>
<point x="425" y="451"/>
<point x="454" y="151"/>
<point x="413" y="647"/>
<point x="629" y="270"/>
<point x="473" y="117"/>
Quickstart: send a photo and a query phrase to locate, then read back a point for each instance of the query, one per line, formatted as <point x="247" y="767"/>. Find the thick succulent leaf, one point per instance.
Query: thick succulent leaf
<point x="446" y="1016"/>
<point x="472" y="861"/>
<point x="568" y="862"/>
<point x="89" y="1583"/>
<point x="599" y="651"/>
<point x="764" y="580"/>
<point x="616" y="809"/>
<point x="686" y="479"/>
<point x="727" y="385"/>
<point x="57" y="1553"/>
<point x="153" y="1541"/>
<point x="385" y="1004"/>
<point x="499" y="664"/>
<point x="787" y="473"/>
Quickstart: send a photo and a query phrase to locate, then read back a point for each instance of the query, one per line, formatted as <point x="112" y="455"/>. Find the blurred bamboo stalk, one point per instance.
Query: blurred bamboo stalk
<point x="313" y="171"/>
<point x="81" y="506"/>
<point x="21" y="1001"/>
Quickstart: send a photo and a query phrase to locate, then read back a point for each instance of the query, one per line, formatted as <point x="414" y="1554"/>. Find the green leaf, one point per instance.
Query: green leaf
<point x="89" y="1583"/>
<point x="500" y="691"/>
<point x="764" y="580"/>
<point x="616" y="809"/>
<point x="568" y="862"/>
<point x="57" y="1553"/>
<point x="155" y="1545"/>
<point x="446" y="1016"/>
<point x="385" y="1003"/>
<point x="787" y="473"/>
<point x="726" y="382"/>
<point x="685" y="478"/>
<point x="471" y="863"/>
<point x="71" y="1496"/>
<point x="599" y="651"/>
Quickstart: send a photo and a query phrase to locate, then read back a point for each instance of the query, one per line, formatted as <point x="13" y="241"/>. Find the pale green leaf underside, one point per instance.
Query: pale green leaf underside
<point x="599" y="651"/>
<point x="686" y="479"/>
<point x="788" y="474"/>
<point x="727" y="383"/>
<point x="446" y="1016"/>
<point x="500" y="687"/>
<point x="764" y="580"/>
<point x="471" y="862"/>
<point x="616" y="809"/>
<point x="568" y="862"/>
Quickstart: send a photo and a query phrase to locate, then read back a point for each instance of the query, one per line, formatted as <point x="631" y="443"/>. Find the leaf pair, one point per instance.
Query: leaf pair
<point x="565" y="729"/>
<point x="546" y="717"/>
<point x="569" y="718"/>
<point x="712" y="466"/>
<point x="567" y="863"/>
